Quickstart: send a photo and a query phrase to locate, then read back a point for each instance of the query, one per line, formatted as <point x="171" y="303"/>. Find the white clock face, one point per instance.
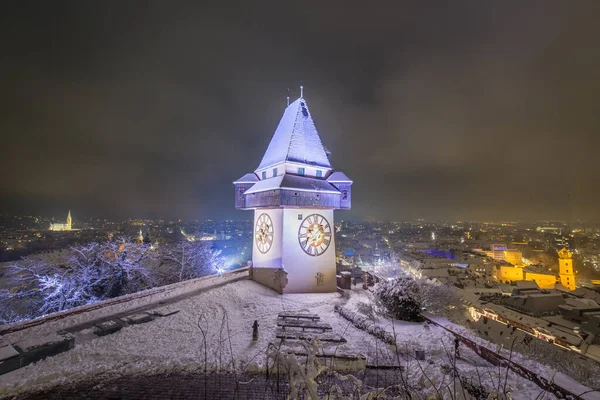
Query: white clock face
<point x="314" y="235"/>
<point x="263" y="233"/>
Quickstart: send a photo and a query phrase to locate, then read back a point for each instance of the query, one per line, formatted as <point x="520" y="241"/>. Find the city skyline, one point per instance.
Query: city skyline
<point x="473" y="112"/>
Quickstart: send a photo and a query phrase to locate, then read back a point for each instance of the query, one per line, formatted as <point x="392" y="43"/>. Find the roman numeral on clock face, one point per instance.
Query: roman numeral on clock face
<point x="314" y="235"/>
<point x="263" y="233"/>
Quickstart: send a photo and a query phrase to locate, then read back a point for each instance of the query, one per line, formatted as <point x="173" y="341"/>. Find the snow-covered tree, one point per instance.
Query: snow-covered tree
<point x="187" y="260"/>
<point x="400" y="297"/>
<point x="132" y="266"/>
<point x="84" y="274"/>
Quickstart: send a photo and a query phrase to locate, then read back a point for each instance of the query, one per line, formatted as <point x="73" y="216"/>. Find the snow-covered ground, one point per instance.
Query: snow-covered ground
<point x="226" y="315"/>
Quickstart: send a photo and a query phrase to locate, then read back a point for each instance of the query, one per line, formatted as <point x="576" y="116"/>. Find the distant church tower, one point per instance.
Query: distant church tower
<point x="140" y="238"/>
<point x="67" y="226"/>
<point x="566" y="271"/>
<point x="293" y="193"/>
<point x="69" y="221"/>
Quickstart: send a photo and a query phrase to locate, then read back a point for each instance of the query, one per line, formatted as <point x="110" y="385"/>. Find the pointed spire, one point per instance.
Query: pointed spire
<point x="301" y="91"/>
<point x="288" y="97"/>
<point x="296" y="140"/>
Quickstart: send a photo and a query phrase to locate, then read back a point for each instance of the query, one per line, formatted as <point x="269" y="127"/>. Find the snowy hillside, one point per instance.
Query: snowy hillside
<point x="223" y="316"/>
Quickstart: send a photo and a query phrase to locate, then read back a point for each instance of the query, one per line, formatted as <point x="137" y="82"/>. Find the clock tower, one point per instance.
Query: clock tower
<point x="293" y="193"/>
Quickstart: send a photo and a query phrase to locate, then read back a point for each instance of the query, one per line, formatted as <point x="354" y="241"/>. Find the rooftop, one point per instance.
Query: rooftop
<point x="293" y="182"/>
<point x="296" y="139"/>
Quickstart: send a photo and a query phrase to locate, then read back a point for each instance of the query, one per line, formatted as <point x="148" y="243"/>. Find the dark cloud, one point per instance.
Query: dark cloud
<point x="470" y="110"/>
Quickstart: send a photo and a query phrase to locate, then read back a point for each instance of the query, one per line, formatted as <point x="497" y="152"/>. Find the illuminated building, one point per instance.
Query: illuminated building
<point x="515" y="257"/>
<point x="293" y="193"/>
<point x="501" y="253"/>
<point x="140" y="238"/>
<point x="542" y="276"/>
<point x="62" y="227"/>
<point x="565" y="268"/>
<point x="508" y="273"/>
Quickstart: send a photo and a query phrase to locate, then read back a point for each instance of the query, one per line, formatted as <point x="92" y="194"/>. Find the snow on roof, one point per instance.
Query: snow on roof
<point x="293" y="182"/>
<point x="339" y="177"/>
<point x="266" y="184"/>
<point x="303" y="183"/>
<point x="296" y="139"/>
<point x="248" y="178"/>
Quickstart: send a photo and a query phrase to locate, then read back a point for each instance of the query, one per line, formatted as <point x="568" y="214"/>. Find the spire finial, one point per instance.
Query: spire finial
<point x="288" y="96"/>
<point x="301" y="91"/>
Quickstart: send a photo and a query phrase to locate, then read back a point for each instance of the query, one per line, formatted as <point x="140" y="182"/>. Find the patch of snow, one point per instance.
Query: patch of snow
<point x="248" y="178"/>
<point x="223" y="317"/>
<point x="32" y="342"/>
<point x="7" y="352"/>
<point x="293" y="182"/>
<point x="339" y="177"/>
<point x="266" y="184"/>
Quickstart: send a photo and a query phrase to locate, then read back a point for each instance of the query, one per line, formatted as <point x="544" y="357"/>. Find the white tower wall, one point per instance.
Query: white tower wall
<point x="273" y="257"/>
<point x="302" y="269"/>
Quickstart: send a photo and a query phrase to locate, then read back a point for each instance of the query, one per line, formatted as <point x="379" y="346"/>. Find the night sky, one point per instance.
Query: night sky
<point x="465" y="110"/>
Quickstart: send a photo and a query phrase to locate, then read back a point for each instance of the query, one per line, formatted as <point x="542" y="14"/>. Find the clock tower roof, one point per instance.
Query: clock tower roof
<point x="296" y="140"/>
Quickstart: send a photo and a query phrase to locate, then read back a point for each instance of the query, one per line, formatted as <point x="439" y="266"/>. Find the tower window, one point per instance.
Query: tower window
<point x="274" y="171"/>
<point x="264" y="174"/>
<point x="299" y="217"/>
<point x="319" y="173"/>
<point x="300" y="171"/>
<point x="344" y="195"/>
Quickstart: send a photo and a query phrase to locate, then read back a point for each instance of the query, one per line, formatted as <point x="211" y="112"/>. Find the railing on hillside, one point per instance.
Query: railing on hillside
<point x="501" y="361"/>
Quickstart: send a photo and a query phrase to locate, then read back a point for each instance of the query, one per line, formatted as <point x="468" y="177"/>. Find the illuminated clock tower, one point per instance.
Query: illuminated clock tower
<point x="565" y="268"/>
<point x="293" y="193"/>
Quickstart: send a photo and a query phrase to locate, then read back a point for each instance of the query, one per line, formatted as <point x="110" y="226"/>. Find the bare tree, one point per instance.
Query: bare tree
<point x="84" y="274"/>
<point x="132" y="266"/>
<point x="187" y="260"/>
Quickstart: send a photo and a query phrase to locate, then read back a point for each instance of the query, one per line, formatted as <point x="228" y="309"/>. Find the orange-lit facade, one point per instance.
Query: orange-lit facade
<point x="566" y="276"/>
<point x="566" y="270"/>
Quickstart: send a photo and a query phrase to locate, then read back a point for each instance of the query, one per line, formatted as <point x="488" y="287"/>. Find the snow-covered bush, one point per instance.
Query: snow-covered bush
<point x="366" y="309"/>
<point x="400" y="298"/>
<point x="367" y="325"/>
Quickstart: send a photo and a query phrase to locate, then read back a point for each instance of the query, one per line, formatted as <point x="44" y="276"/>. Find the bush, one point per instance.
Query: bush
<point x="400" y="298"/>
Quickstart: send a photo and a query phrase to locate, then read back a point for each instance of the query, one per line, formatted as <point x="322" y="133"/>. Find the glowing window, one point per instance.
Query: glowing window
<point x="319" y="173"/>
